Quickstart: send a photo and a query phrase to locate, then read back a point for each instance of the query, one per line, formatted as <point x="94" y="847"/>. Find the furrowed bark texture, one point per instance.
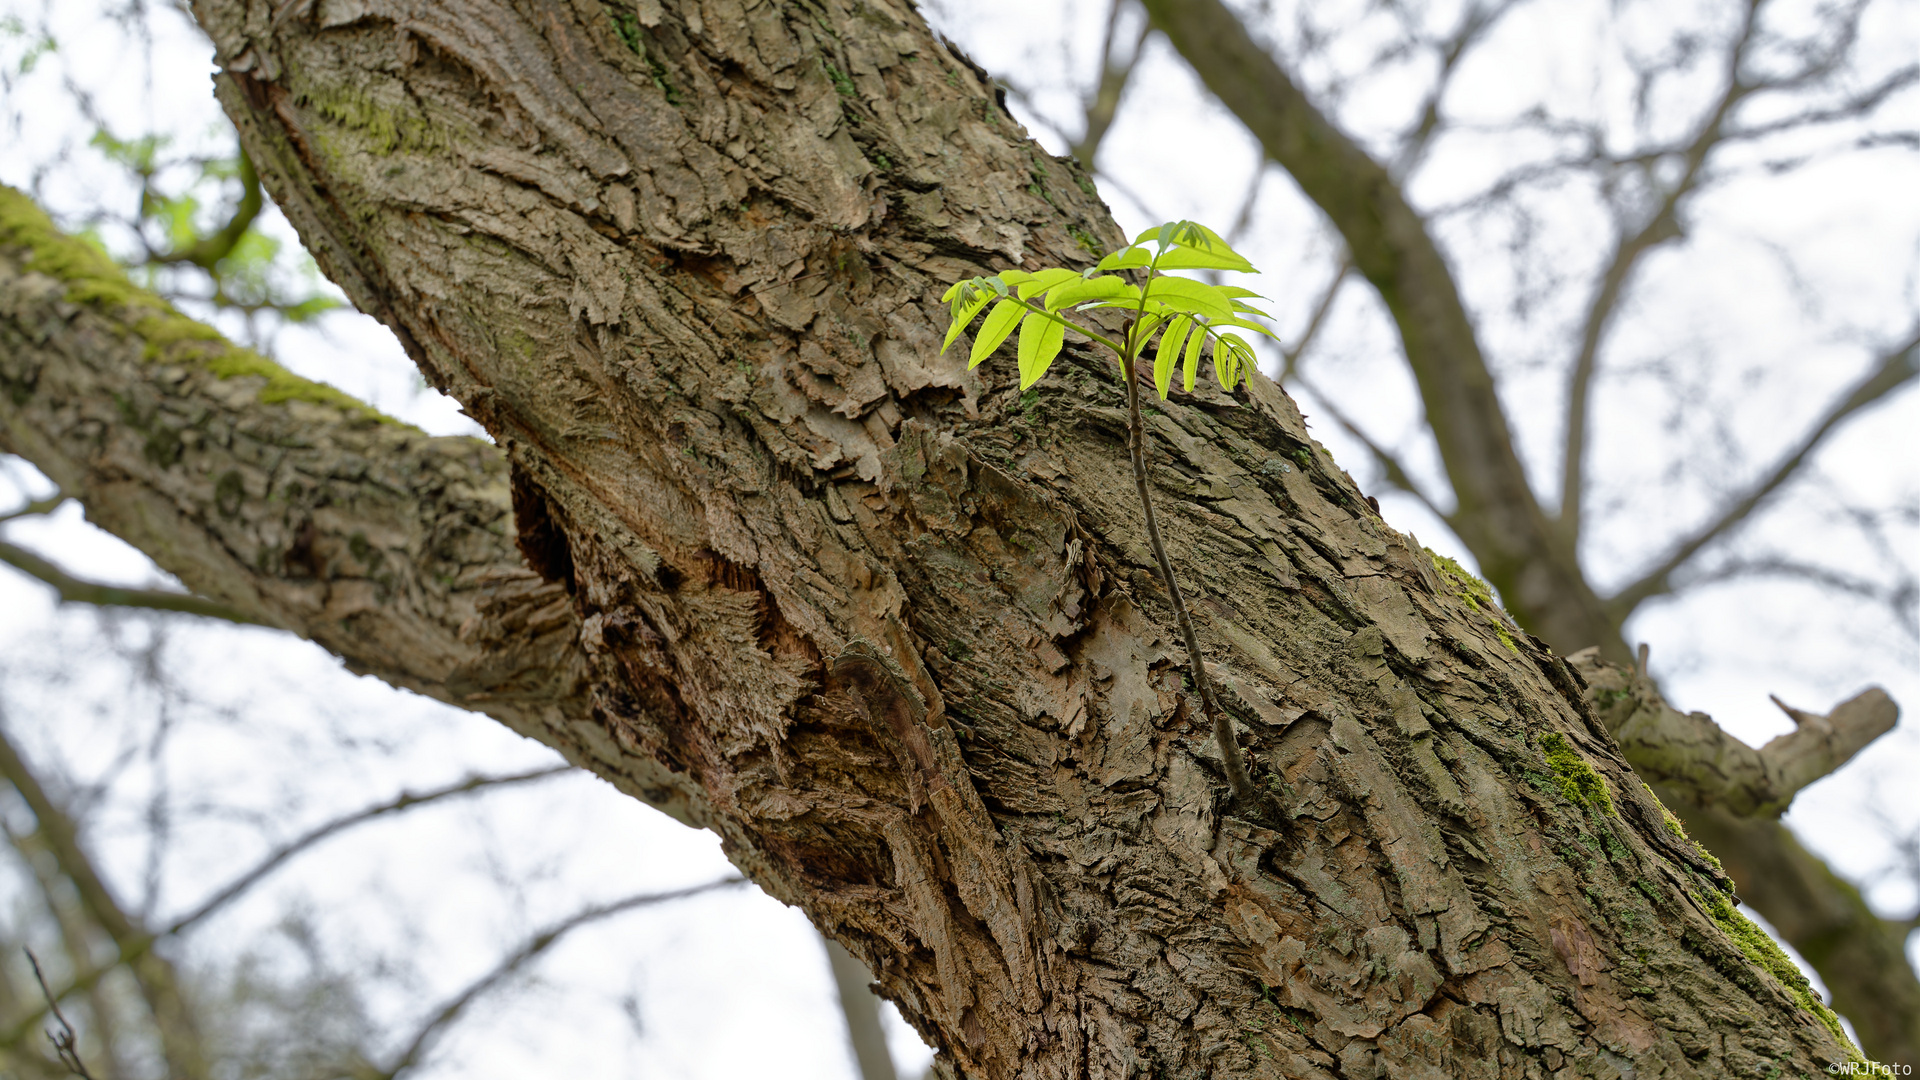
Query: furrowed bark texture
<point x="1530" y="557"/>
<point x="1730" y="797"/>
<point x="891" y="627"/>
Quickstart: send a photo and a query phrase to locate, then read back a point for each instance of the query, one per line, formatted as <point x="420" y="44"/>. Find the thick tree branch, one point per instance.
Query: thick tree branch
<point x="1824" y="918"/>
<point x="1730" y="796"/>
<point x="1689" y="751"/>
<point x="1497" y="515"/>
<point x="1895" y="370"/>
<point x="289" y="503"/>
<point x="696" y="303"/>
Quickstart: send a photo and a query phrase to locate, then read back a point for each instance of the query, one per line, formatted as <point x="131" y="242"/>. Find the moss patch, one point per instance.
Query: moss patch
<point x="1578" y="782"/>
<point x="1475" y="593"/>
<point x="1674" y="827"/>
<point x="94" y="280"/>
<point x="387" y="129"/>
<point x="1767" y="955"/>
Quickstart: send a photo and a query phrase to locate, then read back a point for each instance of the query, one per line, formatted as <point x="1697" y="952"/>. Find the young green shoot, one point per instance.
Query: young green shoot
<point x="1187" y="315"/>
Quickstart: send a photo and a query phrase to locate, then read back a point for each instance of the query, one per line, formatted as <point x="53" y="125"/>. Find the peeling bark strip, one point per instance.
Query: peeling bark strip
<point x="889" y="627"/>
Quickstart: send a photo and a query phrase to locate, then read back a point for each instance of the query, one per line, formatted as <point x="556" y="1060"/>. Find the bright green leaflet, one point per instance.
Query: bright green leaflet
<point x="1194" y="312"/>
<point x="1187" y="314"/>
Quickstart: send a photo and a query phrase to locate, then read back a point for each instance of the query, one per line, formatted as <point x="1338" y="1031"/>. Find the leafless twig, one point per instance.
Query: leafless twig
<point x="73" y="590"/>
<point x="430" y="1031"/>
<point x="1896" y="368"/>
<point x="64" y="1039"/>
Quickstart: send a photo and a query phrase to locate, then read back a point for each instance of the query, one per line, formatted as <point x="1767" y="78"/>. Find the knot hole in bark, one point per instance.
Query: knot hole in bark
<point x="538" y="536"/>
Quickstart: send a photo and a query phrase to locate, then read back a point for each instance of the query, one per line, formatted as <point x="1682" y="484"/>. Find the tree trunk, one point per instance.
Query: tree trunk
<point x="888" y="627"/>
<point x="1531" y="557"/>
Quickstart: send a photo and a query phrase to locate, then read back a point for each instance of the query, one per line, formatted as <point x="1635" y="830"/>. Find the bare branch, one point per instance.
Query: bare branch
<point x="862" y="1010"/>
<point x="1390" y="467"/>
<point x="35" y="507"/>
<point x="1104" y="104"/>
<point x="431" y="1031"/>
<point x="159" y="983"/>
<point x="1689" y="752"/>
<point x="1498" y="518"/>
<point x="73" y="590"/>
<point x="65" y="1040"/>
<point x="207" y="252"/>
<point x="1660" y="227"/>
<point x="78" y="936"/>
<point x="406" y="801"/>
<point x="1473" y="25"/>
<point x="141" y="943"/>
<point x="1895" y="370"/>
<point x="1291" y="355"/>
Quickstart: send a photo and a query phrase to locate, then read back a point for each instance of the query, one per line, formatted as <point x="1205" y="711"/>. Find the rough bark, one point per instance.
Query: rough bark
<point x="889" y="628"/>
<point x="1730" y="797"/>
<point x="289" y="504"/>
<point x="1529" y="556"/>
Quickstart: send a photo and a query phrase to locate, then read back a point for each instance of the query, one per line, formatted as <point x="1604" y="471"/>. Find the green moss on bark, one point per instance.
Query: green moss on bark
<point x="1578" y="781"/>
<point x="1767" y="955"/>
<point x="1476" y="594"/>
<point x="94" y="280"/>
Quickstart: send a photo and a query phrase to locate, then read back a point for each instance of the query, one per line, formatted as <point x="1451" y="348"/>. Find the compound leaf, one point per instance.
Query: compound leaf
<point x="1245" y="325"/>
<point x="1185" y="294"/>
<point x="965" y="307"/>
<point x="1130" y="258"/>
<point x="1191" y="362"/>
<point x="1231" y="354"/>
<point x="1194" y="258"/>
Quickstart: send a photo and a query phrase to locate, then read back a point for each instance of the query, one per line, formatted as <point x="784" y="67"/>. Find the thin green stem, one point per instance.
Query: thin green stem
<point x="1223" y="735"/>
<point x="1069" y="324"/>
